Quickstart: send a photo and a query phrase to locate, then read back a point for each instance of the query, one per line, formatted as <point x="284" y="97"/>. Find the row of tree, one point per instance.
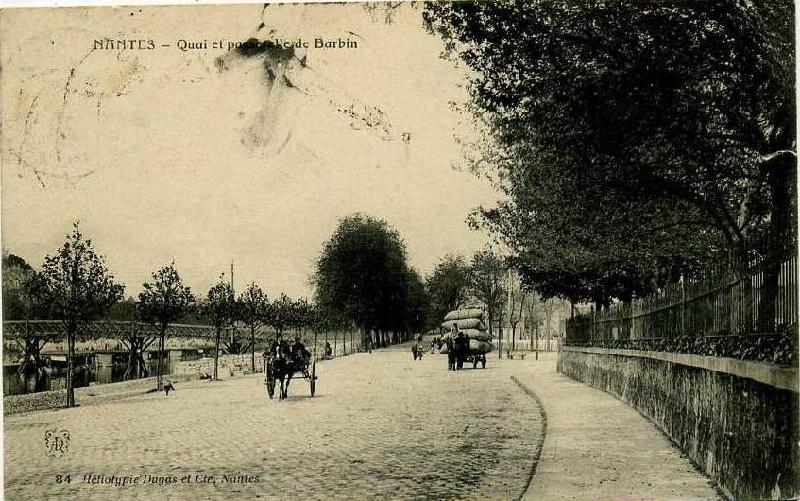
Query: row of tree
<point x="492" y="283"/>
<point x="635" y="141"/>
<point x="75" y="286"/>
<point x="362" y="279"/>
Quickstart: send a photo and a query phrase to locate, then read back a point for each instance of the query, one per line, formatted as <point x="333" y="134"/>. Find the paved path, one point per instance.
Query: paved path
<point x="381" y="427"/>
<point x="598" y="448"/>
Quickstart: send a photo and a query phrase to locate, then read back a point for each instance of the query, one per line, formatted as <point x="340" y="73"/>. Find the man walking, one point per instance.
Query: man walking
<point x="461" y="347"/>
<point x="451" y="353"/>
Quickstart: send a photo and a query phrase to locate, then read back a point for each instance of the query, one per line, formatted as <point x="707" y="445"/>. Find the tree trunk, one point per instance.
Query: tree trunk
<point x="71" y="365"/>
<point x="500" y="339"/>
<point x="137" y="367"/>
<point x="514" y="336"/>
<point x="216" y="354"/>
<point x="253" y="348"/>
<point x="159" y="362"/>
<point x="779" y="180"/>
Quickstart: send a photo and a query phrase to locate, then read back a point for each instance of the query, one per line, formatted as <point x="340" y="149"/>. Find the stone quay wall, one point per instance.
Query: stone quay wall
<point x="736" y="420"/>
<point x="228" y="365"/>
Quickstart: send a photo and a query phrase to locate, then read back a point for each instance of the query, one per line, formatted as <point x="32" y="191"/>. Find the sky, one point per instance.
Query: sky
<point x="201" y="157"/>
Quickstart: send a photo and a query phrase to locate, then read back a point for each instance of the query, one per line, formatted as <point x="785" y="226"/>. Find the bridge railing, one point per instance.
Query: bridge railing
<point x="110" y="329"/>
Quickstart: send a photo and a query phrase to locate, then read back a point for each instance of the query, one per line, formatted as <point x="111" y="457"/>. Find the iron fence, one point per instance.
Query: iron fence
<point x="722" y="304"/>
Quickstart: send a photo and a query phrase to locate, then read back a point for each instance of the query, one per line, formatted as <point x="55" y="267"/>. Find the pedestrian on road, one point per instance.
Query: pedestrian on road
<point x="461" y="344"/>
<point x="451" y="354"/>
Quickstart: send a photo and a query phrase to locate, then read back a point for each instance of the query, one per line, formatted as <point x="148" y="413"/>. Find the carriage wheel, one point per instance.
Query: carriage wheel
<point x="313" y="377"/>
<point x="270" y="380"/>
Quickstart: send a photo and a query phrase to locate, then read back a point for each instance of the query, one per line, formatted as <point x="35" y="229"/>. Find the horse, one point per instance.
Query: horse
<point x="281" y="361"/>
<point x="284" y="365"/>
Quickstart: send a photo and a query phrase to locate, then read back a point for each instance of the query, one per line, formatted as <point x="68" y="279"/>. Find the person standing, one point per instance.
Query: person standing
<point x="451" y="353"/>
<point x="461" y="346"/>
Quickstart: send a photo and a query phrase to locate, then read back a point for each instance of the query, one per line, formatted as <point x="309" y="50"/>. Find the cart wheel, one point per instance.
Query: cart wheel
<point x="313" y="377"/>
<point x="270" y="380"/>
<point x="483" y="362"/>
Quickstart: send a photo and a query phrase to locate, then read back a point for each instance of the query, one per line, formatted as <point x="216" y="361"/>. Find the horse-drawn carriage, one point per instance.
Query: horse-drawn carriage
<point x="282" y="363"/>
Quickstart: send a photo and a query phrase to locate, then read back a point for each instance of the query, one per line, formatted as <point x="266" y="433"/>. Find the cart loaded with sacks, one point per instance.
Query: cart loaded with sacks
<point x="469" y="322"/>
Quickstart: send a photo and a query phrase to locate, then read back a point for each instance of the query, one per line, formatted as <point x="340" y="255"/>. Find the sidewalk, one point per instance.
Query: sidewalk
<point x="598" y="448"/>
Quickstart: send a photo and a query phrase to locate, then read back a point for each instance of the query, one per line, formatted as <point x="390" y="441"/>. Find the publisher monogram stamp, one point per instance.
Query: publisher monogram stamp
<point x="56" y="442"/>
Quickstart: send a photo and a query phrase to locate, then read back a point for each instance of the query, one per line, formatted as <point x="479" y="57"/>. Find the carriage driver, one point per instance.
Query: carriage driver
<point x="299" y="352"/>
<point x="277" y="343"/>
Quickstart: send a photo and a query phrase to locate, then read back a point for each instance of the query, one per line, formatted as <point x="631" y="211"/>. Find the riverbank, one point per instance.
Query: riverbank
<point x="228" y="366"/>
<point x="87" y="395"/>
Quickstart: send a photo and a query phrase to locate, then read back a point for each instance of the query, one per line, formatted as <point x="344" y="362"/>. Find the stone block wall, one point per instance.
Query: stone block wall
<point x="738" y="429"/>
<point x="228" y="365"/>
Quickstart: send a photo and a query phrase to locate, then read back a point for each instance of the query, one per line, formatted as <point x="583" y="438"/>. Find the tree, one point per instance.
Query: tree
<point x="18" y="279"/>
<point x="362" y="273"/>
<point x="447" y="286"/>
<point x="516" y="300"/>
<point x="634" y="140"/>
<point x="487" y="284"/>
<point x="122" y="311"/>
<point x="77" y="283"/>
<point x="303" y="315"/>
<point x="162" y="301"/>
<point x="417" y="304"/>
<point x="127" y="310"/>
<point x="220" y="309"/>
<point x="281" y="314"/>
<point x="252" y="311"/>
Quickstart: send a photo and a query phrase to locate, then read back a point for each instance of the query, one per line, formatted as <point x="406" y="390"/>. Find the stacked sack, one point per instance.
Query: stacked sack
<point x="470" y="322"/>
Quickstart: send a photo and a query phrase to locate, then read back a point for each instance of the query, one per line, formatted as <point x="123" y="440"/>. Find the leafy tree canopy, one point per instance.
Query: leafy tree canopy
<point x="76" y="282"/>
<point x="448" y="286"/>
<point x="488" y="282"/>
<point x="362" y="275"/>
<point x="14" y="261"/>
<point x="220" y="305"/>
<point x="282" y="314"/>
<point x="165" y="299"/>
<point x="633" y="141"/>
<point x="253" y="306"/>
<point x="18" y="280"/>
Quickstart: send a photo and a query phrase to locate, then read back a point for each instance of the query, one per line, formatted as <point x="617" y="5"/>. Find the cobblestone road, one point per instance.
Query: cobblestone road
<point x="381" y="427"/>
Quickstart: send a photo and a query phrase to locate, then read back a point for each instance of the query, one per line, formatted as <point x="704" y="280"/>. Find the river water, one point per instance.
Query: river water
<point x="15" y="385"/>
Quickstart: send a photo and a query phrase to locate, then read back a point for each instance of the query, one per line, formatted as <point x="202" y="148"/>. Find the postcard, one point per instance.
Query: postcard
<point x="399" y="250"/>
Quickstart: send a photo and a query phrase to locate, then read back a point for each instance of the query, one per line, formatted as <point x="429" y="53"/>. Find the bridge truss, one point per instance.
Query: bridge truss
<point x="137" y="337"/>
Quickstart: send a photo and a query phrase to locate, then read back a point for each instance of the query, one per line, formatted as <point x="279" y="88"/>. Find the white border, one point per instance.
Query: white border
<point x="128" y="3"/>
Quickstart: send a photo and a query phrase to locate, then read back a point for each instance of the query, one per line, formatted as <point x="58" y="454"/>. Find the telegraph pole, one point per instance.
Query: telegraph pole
<point x="233" y="324"/>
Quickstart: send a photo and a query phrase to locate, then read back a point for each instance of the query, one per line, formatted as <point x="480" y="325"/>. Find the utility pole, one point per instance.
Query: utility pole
<point x="233" y="324"/>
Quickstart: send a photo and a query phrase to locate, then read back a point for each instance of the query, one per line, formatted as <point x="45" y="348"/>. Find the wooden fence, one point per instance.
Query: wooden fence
<point x="724" y="303"/>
